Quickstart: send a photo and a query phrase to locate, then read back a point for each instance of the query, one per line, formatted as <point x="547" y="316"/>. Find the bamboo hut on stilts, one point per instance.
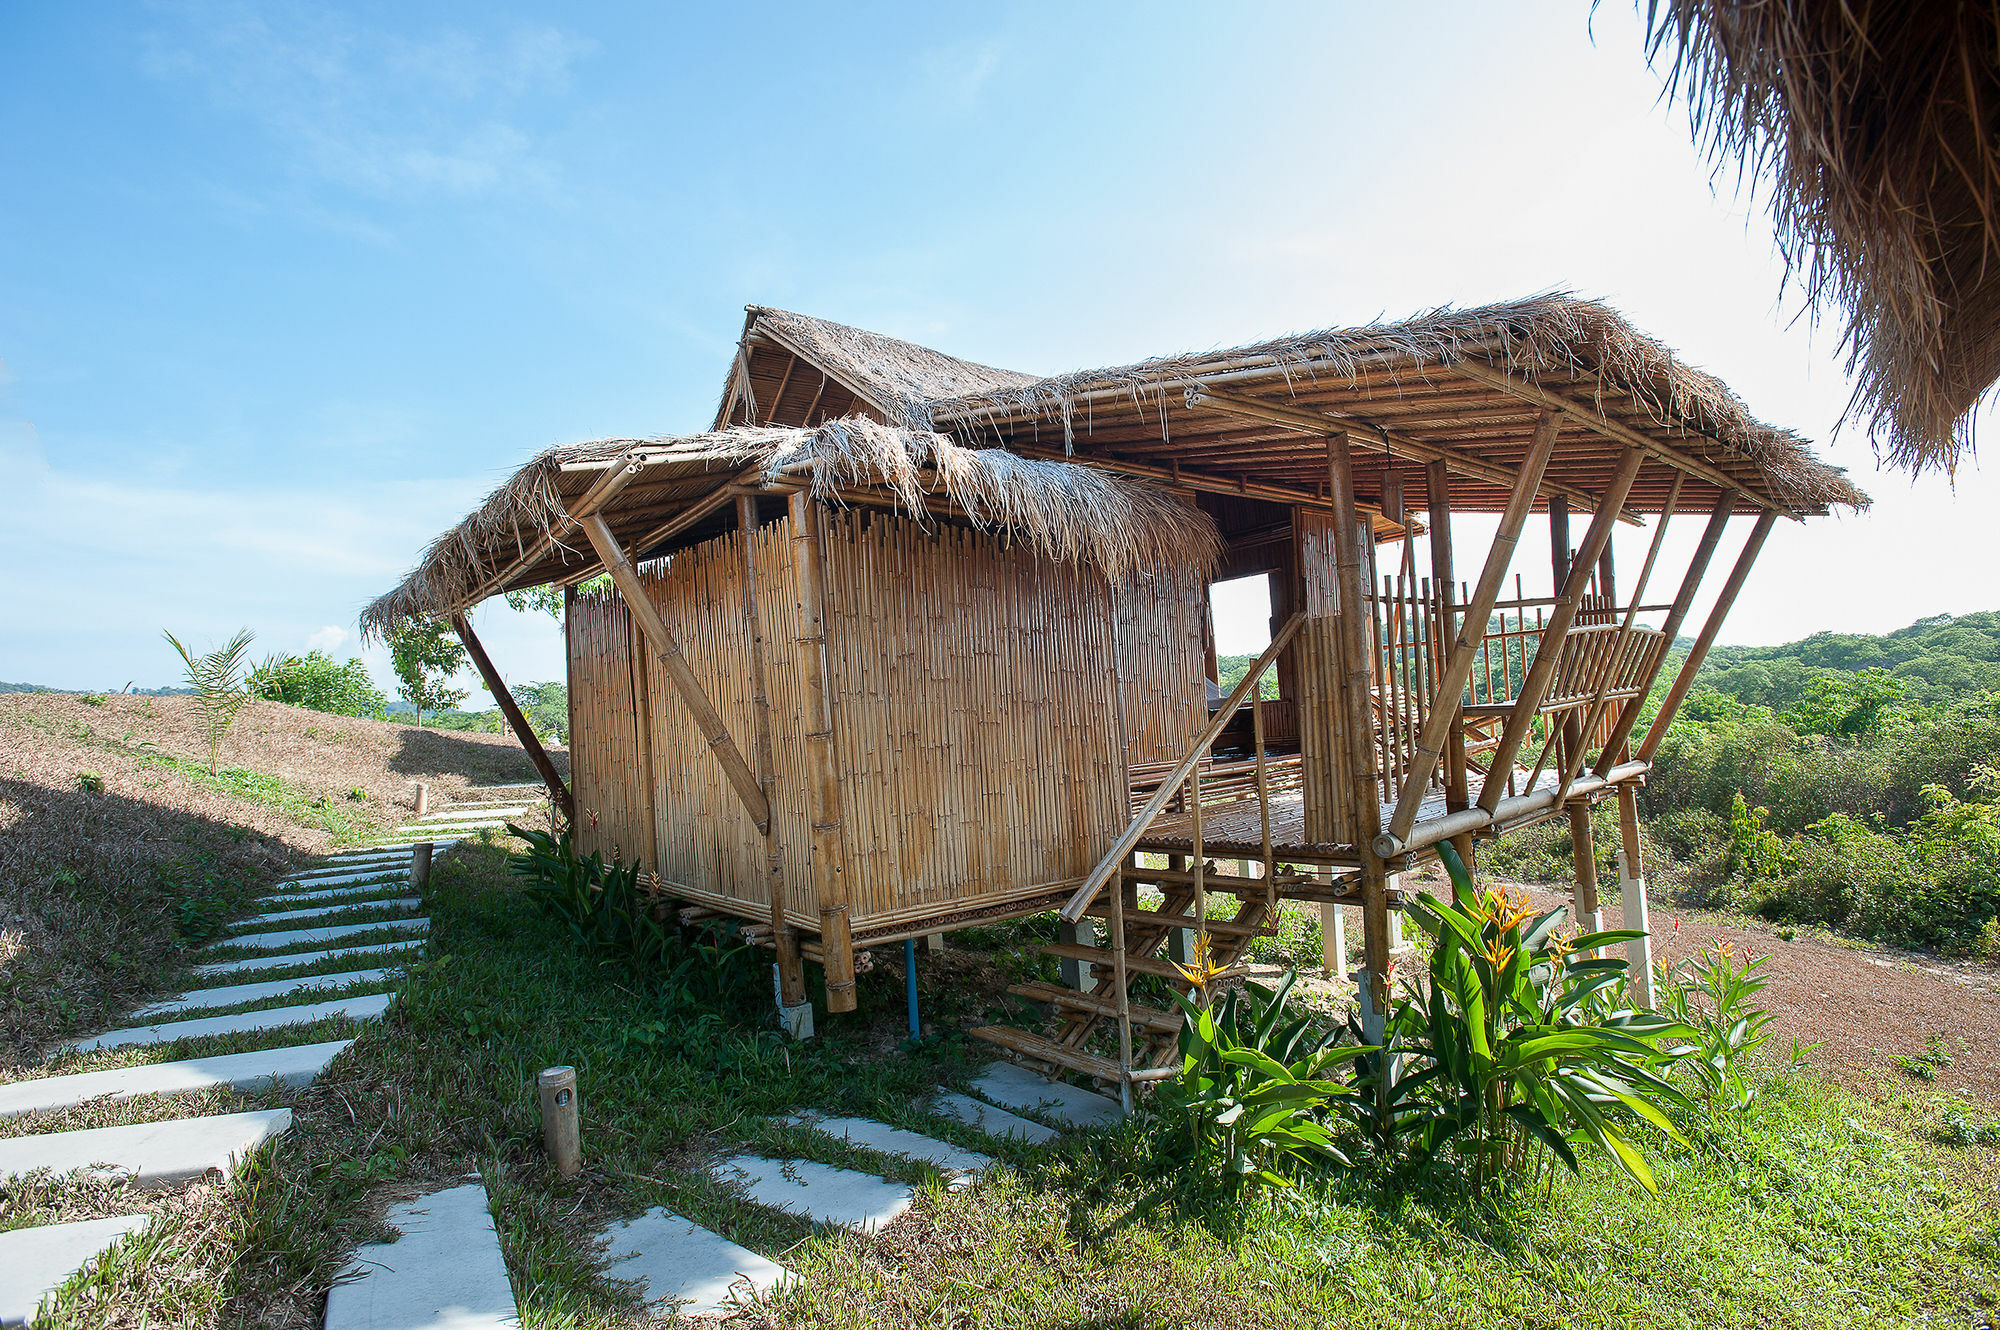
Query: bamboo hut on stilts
<point x="906" y="643"/>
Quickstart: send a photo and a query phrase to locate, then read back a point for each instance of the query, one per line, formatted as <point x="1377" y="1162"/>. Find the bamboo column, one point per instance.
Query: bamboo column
<point x="791" y="968"/>
<point x="1354" y="682"/>
<point x="1444" y="579"/>
<point x="1549" y="650"/>
<point x="1583" y="852"/>
<point x="1699" y="651"/>
<point x="706" y="718"/>
<point x="1632" y="894"/>
<point x="1120" y="992"/>
<point x="558" y="792"/>
<point x="642" y="727"/>
<point x="828" y="866"/>
<point x="1697" y="568"/>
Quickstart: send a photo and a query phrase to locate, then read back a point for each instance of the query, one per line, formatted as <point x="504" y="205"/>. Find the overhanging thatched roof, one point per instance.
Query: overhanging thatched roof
<point x="522" y="536"/>
<point x="1465" y="383"/>
<point x="1878" y="128"/>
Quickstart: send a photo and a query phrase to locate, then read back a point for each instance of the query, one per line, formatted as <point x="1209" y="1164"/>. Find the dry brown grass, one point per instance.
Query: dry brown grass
<point x="94" y="876"/>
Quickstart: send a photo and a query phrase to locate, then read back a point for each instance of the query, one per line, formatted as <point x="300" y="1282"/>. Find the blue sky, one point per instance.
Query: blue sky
<point x="284" y="290"/>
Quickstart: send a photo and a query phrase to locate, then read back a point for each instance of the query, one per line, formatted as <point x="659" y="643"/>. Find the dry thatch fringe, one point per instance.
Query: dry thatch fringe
<point x="1063" y="511"/>
<point x="1546" y="337"/>
<point x="1878" y="126"/>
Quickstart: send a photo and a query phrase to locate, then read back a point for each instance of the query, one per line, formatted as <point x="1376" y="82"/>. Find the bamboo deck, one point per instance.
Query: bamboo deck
<point x="1232" y="829"/>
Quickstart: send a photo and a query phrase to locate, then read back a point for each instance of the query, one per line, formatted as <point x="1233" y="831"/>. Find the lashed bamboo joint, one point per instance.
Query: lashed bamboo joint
<point x="857" y="679"/>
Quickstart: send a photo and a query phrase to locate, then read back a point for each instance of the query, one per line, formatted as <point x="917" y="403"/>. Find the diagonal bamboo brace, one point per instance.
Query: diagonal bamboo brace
<point x="511" y="709"/>
<point x="706" y="718"/>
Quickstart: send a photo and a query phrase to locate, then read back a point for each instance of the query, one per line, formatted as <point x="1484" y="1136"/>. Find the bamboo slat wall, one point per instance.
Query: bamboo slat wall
<point x="974" y="716"/>
<point x="974" y="695"/>
<point x="1324" y="778"/>
<point x="1161" y="665"/>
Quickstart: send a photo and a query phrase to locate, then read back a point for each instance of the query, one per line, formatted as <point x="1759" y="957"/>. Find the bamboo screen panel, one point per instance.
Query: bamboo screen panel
<point x="604" y="737"/>
<point x="973" y="716"/>
<point x="1162" y="665"/>
<point x="1323" y="757"/>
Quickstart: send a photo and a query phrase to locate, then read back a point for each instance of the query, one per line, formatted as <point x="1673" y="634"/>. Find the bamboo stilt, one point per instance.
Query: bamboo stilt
<point x="791" y="966"/>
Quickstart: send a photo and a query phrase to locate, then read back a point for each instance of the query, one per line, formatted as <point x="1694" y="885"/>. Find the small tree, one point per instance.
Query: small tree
<point x="426" y="653"/>
<point x="316" y="682"/>
<point x="217" y="681"/>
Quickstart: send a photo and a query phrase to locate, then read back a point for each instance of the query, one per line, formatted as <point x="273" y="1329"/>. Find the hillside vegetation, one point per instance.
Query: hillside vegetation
<point x="119" y="851"/>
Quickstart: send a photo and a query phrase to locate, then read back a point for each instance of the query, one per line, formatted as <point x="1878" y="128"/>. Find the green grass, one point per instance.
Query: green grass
<point x="320" y="812"/>
<point x="1821" y="1209"/>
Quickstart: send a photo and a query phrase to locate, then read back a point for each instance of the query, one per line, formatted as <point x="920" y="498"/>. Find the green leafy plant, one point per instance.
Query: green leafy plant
<point x="1710" y="995"/>
<point x="1252" y="1097"/>
<point x="317" y="682"/>
<point x="90" y="782"/>
<point x="1514" y="1038"/>
<point x="93" y="699"/>
<point x="1926" y="1065"/>
<point x="217" y="681"/>
<point x="425" y="654"/>
<point x="604" y="904"/>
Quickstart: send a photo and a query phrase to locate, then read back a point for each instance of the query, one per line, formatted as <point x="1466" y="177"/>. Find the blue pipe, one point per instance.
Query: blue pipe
<point x="910" y="983"/>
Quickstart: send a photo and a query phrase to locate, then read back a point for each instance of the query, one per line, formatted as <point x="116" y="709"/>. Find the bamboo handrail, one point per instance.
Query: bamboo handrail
<point x="1079" y="903"/>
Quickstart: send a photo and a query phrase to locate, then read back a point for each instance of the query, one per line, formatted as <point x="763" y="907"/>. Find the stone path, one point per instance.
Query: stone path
<point x="676" y="1261"/>
<point x="173" y="1151"/>
<point x="1015" y="1087"/>
<point x="445" y="1271"/>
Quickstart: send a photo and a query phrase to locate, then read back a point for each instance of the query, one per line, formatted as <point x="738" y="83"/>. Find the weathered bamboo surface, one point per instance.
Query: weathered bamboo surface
<point x="1161" y="665"/>
<point x="973" y="714"/>
<point x="1324" y="769"/>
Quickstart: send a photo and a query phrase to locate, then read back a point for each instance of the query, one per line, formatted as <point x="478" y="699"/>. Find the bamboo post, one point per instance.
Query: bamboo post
<point x="1333" y="940"/>
<point x="1200" y="865"/>
<point x="420" y="865"/>
<point x="1549" y="650"/>
<point x="558" y="792"/>
<point x="1444" y="629"/>
<point x="423" y="798"/>
<point x="681" y="674"/>
<point x="1699" y="651"/>
<point x="1355" y="677"/>
<point x="828" y="856"/>
<point x="1632" y="895"/>
<point x="1120" y="993"/>
<point x="1264" y="800"/>
<point x="561" y="1135"/>
<point x="642" y="725"/>
<point x="790" y="965"/>
<point x="1583" y="853"/>
<point x="1472" y="629"/>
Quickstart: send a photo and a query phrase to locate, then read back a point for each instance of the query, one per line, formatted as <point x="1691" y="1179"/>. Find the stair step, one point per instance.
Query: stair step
<point x="333" y="933"/>
<point x="231" y="994"/>
<point x="1077" y="951"/>
<point x="332" y="912"/>
<point x="150" y="1154"/>
<point x="292" y="960"/>
<point x="1047" y="1050"/>
<point x="1154" y="919"/>
<point x="297" y="1065"/>
<point x="446" y="1270"/>
<point x="360" y="1009"/>
<point x="1150" y="1018"/>
<point x="35" y="1262"/>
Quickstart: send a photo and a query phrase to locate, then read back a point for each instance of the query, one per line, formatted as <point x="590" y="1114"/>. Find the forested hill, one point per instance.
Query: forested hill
<point x="1935" y="660"/>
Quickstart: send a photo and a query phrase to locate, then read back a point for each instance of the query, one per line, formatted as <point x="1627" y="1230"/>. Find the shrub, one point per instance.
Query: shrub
<point x="316" y="682"/>
<point x="217" y="684"/>
<point x="90" y="782"/>
<point x="1710" y="995"/>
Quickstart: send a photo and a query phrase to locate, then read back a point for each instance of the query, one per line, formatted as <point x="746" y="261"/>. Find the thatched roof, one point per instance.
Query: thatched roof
<point x="522" y="535"/>
<point x="1468" y="381"/>
<point x="1877" y="127"/>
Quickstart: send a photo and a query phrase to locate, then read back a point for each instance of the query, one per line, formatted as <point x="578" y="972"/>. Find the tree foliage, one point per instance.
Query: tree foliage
<point x="317" y="682"/>
<point x="426" y="653"/>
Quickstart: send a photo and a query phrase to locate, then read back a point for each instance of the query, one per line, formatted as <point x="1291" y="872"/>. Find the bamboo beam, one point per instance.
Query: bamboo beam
<point x="1444" y="581"/>
<point x="1184" y="478"/>
<point x="1549" y="649"/>
<point x="601" y="491"/>
<point x="1471" y="633"/>
<point x="558" y="791"/>
<point x="1398" y="444"/>
<point x="1697" y="568"/>
<point x="1552" y="401"/>
<point x="1699" y="651"/>
<point x="829" y="866"/>
<point x="1079" y="902"/>
<point x="679" y="672"/>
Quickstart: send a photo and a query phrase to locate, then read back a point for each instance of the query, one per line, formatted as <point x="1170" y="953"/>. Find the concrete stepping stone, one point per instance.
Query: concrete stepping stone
<point x="150" y="1154"/>
<point x="993" y="1121"/>
<point x="678" y="1262"/>
<point x="360" y="892"/>
<point x="231" y="994"/>
<point x="298" y="1065"/>
<point x="387" y="873"/>
<point x="1016" y="1087"/>
<point x="332" y="933"/>
<point x="964" y="1165"/>
<point x="359" y="1008"/>
<point x="35" y="1262"/>
<point x="253" y="964"/>
<point x="819" y="1192"/>
<point x="255" y="924"/>
<point x="384" y="848"/>
<point x="445" y="1272"/>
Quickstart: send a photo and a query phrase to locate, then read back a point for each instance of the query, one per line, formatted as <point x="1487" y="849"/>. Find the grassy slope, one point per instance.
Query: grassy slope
<point x="1822" y="1209"/>
<point x="100" y="886"/>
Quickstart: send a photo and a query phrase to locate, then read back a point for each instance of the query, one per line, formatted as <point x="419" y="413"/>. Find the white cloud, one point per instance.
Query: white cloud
<point x="327" y="640"/>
